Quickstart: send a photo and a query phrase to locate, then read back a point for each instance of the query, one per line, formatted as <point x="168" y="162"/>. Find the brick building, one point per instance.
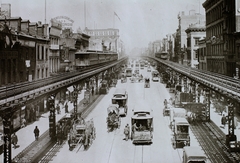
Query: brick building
<point x="221" y="28"/>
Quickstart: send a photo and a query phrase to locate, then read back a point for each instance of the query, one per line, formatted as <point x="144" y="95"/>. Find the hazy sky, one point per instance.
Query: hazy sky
<point x="141" y="21"/>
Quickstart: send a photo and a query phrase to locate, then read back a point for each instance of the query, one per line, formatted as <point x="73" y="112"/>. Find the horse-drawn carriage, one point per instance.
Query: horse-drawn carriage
<point x="147" y="83"/>
<point x="103" y="87"/>
<point x="181" y="136"/>
<point x="195" y="111"/>
<point x="123" y="79"/>
<point x="82" y="133"/>
<point x="113" y="119"/>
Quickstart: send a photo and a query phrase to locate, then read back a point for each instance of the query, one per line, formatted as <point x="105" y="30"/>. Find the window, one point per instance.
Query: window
<point x="42" y="52"/>
<point x="46" y="53"/>
<point x="196" y="41"/>
<point x="38" y="52"/>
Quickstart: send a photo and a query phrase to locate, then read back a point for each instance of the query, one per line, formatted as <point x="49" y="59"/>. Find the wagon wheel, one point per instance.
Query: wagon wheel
<point x="119" y="123"/>
<point x="94" y="133"/>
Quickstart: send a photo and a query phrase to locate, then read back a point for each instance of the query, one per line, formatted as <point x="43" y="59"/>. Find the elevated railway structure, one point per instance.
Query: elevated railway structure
<point x="13" y="96"/>
<point x="194" y="80"/>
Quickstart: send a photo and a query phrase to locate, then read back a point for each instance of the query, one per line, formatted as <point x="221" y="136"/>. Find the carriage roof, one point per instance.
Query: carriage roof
<point x="142" y="116"/>
<point x="104" y="81"/>
<point x="142" y="106"/>
<point x="194" y="152"/>
<point x="181" y="121"/>
<point x="113" y="107"/>
<point x="121" y="91"/>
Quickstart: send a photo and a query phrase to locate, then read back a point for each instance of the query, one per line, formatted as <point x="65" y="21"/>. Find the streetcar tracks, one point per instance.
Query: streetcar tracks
<point x="142" y="154"/>
<point x="210" y="144"/>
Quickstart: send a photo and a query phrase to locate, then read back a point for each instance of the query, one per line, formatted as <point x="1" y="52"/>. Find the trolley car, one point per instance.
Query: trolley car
<point x="142" y="128"/>
<point x="91" y="57"/>
<point x="155" y="76"/>
<point x="128" y="72"/>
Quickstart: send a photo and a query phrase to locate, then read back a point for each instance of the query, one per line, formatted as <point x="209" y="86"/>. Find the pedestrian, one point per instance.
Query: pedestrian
<point x="66" y="108"/>
<point x="126" y="132"/>
<point x="223" y="120"/>
<point x="59" y="134"/>
<point x="14" y="140"/>
<point x="37" y="111"/>
<point x="36" y="132"/>
<point x="92" y="90"/>
<point x="23" y="122"/>
<point x="235" y="122"/>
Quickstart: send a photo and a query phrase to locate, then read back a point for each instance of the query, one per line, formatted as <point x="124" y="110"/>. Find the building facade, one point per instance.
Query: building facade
<point x="70" y="43"/>
<point x="19" y="57"/>
<point x="108" y="38"/>
<point x="195" y="32"/>
<point x="55" y="29"/>
<point x="201" y="51"/>
<point x="181" y="37"/>
<point x="221" y="17"/>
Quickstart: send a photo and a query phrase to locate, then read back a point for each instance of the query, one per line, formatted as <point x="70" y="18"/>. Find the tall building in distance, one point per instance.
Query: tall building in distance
<point x="181" y="37"/>
<point x="6" y="10"/>
<point x="99" y="38"/>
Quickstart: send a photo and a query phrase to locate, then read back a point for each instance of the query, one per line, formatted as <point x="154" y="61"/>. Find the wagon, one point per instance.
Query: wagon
<point x="103" y="87"/>
<point x="147" y="83"/>
<point x="166" y="110"/>
<point x="120" y="97"/>
<point x="194" y="154"/>
<point x="82" y="133"/>
<point x="181" y="136"/>
<point x="113" y="119"/>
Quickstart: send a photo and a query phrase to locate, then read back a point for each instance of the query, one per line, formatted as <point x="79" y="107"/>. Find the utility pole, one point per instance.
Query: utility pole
<point x="45" y="13"/>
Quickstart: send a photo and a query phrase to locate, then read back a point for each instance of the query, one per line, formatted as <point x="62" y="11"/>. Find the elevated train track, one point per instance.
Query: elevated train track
<point x="9" y="94"/>
<point x="212" y="141"/>
<point x="218" y="82"/>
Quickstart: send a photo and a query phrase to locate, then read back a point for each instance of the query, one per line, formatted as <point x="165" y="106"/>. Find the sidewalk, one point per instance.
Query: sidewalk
<point x="26" y="135"/>
<point x="216" y="118"/>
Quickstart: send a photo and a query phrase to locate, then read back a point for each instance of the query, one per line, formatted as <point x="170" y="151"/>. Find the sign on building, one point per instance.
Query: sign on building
<point x="67" y="23"/>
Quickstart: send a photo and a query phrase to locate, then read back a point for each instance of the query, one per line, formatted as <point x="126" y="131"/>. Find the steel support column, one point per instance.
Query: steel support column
<point x="231" y="138"/>
<point x="208" y="103"/>
<point x="75" y="99"/>
<point x="7" y="136"/>
<point x="52" y="116"/>
<point x="193" y="90"/>
<point x="230" y="119"/>
<point x="96" y="79"/>
<point x="198" y="92"/>
<point x="185" y="84"/>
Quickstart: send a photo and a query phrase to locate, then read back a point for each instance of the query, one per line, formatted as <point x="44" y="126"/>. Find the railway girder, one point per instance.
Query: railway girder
<point x="223" y="90"/>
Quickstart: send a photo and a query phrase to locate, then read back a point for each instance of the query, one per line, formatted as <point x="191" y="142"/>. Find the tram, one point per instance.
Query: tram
<point x="92" y="57"/>
<point x="155" y="76"/>
<point x="142" y="128"/>
<point x="162" y="55"/>
<point x="128" y="72"/>
<point x="120" y="97"/>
